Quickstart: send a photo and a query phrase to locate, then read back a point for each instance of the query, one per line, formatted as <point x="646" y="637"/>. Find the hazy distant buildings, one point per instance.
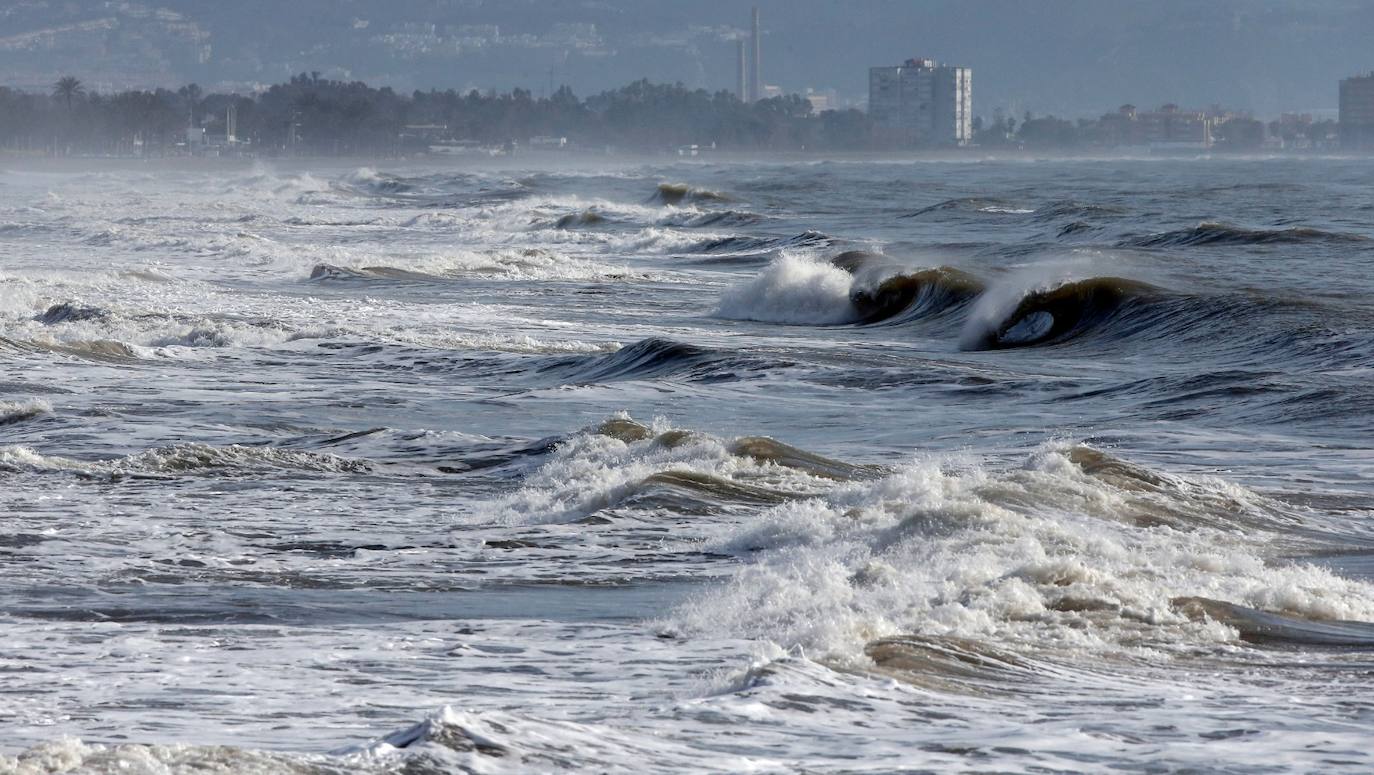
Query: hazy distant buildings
<point x="1166" y="128"/>
<point x="755" y="74"/>
<point x="743" y="88"/>
<point x="1357" y="112"/>
<point x="751" y="86"/>
<point x="822" y="101"/>
<point x="921" y="102"/>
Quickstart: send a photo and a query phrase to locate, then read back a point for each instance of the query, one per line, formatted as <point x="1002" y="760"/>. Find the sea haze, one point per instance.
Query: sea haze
<point x="836" y="466"/>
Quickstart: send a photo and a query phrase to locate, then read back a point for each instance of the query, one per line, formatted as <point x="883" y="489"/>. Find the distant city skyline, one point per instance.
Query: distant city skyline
<point x="1072" y="58"/>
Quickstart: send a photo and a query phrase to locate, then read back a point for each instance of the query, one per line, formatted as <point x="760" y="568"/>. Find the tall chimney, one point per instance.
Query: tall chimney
<point x="743" y="90"/>
<point x="756" y="77"/>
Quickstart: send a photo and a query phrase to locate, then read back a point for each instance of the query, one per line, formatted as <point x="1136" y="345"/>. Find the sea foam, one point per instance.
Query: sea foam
<point x="794" y="288"/>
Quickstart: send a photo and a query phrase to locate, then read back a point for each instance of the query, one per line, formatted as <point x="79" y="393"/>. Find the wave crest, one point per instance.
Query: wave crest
<point x="1213" y="233"/>
<point x="652" y="358"/>
<point x="897" y="295"/>
<point x="659" y="468"/>
<point x="1050" y="315"/>
<point x="12" y="412"/>
<point x="679" y="193"/>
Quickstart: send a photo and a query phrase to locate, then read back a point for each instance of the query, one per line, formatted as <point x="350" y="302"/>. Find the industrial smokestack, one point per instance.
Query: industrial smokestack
<point x="743" y="90"/>
<point x="756" y="77"/>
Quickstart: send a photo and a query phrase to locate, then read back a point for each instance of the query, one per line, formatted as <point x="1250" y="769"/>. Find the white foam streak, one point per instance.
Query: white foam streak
<point x="178" y="460"/>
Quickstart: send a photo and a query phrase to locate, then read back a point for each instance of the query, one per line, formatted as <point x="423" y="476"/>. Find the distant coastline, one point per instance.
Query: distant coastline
<point x="577" y="158"/>
<point x="314" y="117"/>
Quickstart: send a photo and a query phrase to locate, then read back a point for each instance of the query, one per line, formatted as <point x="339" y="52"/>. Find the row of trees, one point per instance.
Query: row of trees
<point x="309" y="114"/>
<point x="73" y="120"/>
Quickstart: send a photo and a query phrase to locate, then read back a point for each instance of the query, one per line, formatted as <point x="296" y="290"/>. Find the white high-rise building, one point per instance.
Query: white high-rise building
<point x="922" y="102"/>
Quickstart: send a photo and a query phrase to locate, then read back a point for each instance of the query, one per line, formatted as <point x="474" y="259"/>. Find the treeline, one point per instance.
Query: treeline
<point x="313" y="115"/>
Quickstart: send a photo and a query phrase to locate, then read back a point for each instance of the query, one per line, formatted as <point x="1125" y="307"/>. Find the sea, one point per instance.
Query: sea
<point x="547" y="464"/>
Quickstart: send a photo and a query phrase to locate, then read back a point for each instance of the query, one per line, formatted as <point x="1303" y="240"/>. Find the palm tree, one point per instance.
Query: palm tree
<point x="67" y="89"/>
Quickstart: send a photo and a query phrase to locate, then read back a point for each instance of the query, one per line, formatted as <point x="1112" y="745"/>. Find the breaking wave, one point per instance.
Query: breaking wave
<point x="1064" y="553"/>
<point x="99" y="350"/>
<point x="1050" y="315"/>
<point x="794" y="288"/>
<point x="67" y="312"/>
<point x="883" y="291"/>
<point x="107" y="350"/>
<point x="624" y="463"/>
<point x="580" y="220"/>
<point x="13" y="412"/>
<point x="853" y="287"/>
<point x="1113" y="309"/>
<point x="905" y="296"/>
<point x="680" y="193"/>
<point x="1260" y="626"/>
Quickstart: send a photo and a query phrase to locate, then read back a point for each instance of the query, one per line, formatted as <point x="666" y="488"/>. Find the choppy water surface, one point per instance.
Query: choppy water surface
<point x="835" y="466"/>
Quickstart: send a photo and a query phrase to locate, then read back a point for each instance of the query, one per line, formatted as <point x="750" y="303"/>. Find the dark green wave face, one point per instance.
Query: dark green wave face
<point x="1082" y="307"/>
<point x="681" y="193"/>
<point x="886" y="289"/>
<point x="906" y="295"/>
<point x="566" y="462"/>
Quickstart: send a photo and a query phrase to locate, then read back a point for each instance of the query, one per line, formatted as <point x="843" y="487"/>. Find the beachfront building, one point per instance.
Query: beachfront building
<point x="921" y="103"/>
<point x="1357" y="113"/>
<point x="1168" y="127"/>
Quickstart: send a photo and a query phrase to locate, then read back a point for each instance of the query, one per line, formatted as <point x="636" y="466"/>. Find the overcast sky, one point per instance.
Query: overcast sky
<point x="1068" y="57"/>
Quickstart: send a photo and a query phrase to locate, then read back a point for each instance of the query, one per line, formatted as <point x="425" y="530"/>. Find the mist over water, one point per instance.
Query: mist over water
<point x="837" y="466"/>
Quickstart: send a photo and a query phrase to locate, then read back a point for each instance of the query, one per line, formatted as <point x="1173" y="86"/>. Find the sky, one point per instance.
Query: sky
<point x="1071" y="58"/>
